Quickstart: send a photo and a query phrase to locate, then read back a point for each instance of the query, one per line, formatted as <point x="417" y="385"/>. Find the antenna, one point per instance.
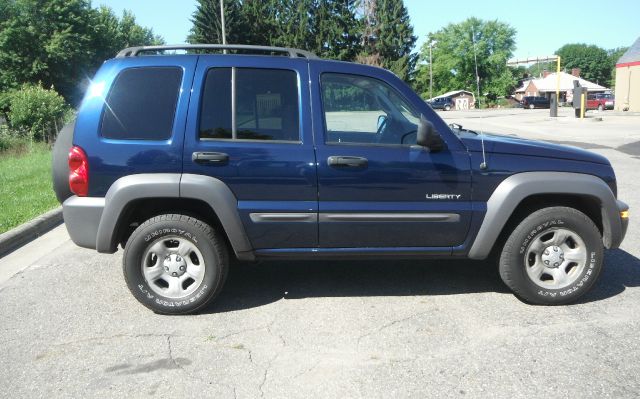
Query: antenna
<point x="483" y="165"/>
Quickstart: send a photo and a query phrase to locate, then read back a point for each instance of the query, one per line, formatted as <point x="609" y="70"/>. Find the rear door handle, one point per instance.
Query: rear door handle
<point x="347" y="162"/>
<point x="210" y="158"/>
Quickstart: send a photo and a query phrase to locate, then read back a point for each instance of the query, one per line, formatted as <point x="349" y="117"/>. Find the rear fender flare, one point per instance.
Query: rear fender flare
<point x="172" y="185"/>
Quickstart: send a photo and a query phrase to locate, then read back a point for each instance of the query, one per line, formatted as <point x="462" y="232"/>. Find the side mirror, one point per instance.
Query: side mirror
<point x="428" y="137"/>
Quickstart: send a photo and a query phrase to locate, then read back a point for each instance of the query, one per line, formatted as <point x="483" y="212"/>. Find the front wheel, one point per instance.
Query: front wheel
<point x="553" y="257"/>
<point x="531" y="106"/>
<point x="447" y="107"/>
<point x="600" y="108"/>
<point x="175" y="264"/>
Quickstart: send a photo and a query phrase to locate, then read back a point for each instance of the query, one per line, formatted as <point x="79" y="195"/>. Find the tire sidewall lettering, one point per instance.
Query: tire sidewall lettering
<point x="587" y="274"/>
<point x="161" y="232"/>
<point x="182" y="302"/>
<point x="534" y="232"/>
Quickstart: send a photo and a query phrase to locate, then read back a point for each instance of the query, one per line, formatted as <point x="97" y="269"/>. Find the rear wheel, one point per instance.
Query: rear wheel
<point x="553" y="257"/>
<point x="531" y="106"/>
<point x="175" y="264"/>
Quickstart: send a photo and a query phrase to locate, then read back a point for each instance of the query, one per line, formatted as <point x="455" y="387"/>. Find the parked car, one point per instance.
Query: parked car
<point x="600" y="101"/>
<point x="190" y="160"/>
<point x="532" y="102"/>
<point x="443" y="103"/>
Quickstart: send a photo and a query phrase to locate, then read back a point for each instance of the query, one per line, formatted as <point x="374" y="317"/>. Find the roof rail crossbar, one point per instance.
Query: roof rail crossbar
<point x="292" y="52"/>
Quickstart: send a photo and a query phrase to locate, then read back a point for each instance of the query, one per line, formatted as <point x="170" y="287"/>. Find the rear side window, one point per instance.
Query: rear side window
<point x="265" y="108"/>
<point x="141" y="105"/>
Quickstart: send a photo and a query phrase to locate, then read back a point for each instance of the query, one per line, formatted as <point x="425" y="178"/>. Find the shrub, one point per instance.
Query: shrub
<point x="11" y="142"/>
<point x="37" y="112"/>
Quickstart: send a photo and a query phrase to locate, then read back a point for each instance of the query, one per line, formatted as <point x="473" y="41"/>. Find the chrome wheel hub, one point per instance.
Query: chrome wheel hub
<point x="556" y="258"/>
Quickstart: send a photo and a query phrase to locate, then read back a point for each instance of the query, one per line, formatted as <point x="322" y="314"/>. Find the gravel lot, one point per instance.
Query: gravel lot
<point x="70" y="328"/>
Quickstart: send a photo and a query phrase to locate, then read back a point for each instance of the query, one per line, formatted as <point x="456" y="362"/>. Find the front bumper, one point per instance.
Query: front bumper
<point x="82" y="217"/>
<point x="624" y="221"/>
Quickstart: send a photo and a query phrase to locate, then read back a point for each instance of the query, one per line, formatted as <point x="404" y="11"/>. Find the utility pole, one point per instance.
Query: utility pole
<point x="224" y="34"/>
<point x="431" y="44"/>
<point x="368" y="14"/>
<point x="475" y="57"/>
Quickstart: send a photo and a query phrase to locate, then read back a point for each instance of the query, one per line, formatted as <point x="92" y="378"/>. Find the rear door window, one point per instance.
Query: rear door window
<point x="141" y="104"/>
<point x="265" y="105"/>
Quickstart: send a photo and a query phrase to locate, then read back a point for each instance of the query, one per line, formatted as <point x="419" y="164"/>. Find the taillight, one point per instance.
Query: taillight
<point x="78" y="172"/>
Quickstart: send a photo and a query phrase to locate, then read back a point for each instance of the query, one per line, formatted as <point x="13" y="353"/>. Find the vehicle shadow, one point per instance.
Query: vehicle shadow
<point x="250" y="286"/>
<point x="621" y="270"/>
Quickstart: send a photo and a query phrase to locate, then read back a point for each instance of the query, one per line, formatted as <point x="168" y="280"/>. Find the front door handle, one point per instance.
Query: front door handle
<point x="210" y="158"/>
<point x="347" y="162"/>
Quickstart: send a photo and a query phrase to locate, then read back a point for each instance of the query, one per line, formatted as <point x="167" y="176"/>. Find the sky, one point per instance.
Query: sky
<point x="543" y="25"/>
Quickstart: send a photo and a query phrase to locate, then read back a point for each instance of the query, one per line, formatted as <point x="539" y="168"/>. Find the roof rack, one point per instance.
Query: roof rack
<point x="292" y="52"/>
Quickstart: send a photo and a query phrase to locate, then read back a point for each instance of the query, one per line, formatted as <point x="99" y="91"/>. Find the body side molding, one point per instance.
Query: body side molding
<point x="303" y="217"/>
<point x="516" y="188"/>
<point x="389" y="216"/>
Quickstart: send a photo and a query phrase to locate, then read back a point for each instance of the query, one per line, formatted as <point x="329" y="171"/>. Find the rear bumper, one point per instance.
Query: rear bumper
<point x="82" y="217"/>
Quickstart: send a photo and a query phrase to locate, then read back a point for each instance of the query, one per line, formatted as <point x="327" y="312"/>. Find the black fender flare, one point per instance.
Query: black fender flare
<point x="514" y="189"/>
<point x="172" y="185"/>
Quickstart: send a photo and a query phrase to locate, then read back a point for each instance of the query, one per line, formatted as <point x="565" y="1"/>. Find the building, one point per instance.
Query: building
<point x="547" y="84"/>
<point x="463" y="99"/>
<point x="527" y="89"/>
<point x="628" y="80"/>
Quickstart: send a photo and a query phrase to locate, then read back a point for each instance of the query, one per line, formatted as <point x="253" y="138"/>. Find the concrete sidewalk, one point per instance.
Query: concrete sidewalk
<point x="31" y="253"/>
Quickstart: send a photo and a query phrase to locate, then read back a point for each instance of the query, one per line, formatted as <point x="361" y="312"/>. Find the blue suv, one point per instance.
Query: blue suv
<point x="191" y="160"/>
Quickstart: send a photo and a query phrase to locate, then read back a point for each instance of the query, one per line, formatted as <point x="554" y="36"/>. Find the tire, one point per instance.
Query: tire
<point x="600" y="108"/>
<point x="60" y="163"/>
<point x="447" y="107"/>
<point x="193" y="272"/>
<point x="531" y="106"/>
<point x="553" y="257"/>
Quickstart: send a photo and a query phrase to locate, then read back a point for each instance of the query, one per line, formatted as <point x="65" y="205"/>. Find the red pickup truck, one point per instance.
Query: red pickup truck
<point x="600" y="101"/>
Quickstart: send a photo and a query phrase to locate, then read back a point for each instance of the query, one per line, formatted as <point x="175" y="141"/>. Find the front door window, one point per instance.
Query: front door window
<point x="364" y="110"/>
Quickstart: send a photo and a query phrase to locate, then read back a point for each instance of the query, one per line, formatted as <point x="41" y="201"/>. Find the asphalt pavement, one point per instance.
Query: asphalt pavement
<point x="70" y="328"/>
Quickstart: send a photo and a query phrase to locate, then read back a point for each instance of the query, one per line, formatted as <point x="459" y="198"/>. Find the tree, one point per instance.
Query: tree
<point x="388" y="37"/>
<point x="112" y="34"/>
<point x="593" y="61"/>
<point x="537" y="70"/>
<point x="336" y="29"/>
<point x="207" y="23"/>
<point x="293" y="24"/>
<point x="454" y="58"/>
<point x="44" y="41"/>
<point x="59" y="43"/>
<point x="327" y="27"/>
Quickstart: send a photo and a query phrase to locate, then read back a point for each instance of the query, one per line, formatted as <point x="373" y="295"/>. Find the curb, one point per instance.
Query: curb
<point x="26" y="232"/>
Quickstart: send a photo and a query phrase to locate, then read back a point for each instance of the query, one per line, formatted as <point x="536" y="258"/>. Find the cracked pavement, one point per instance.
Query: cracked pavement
<point x="70" y="328"/>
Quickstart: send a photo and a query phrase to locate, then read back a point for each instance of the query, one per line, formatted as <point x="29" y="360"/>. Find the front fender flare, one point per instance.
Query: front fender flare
<point x="514" y="189"/>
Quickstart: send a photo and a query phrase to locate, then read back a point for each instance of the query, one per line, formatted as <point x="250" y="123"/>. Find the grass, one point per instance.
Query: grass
<point x="26" y="190"/>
